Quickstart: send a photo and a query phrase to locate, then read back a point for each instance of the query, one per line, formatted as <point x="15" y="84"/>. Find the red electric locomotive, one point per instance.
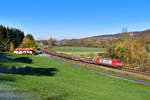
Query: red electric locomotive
<point x="96" y="60"/>
<point x="111" y="62"/>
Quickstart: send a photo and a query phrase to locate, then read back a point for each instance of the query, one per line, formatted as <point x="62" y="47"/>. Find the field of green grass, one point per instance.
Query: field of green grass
<point x="79" y="51"/>
<point x="54" y="80"/>
<point x="77" y="48"/>
<point x="86" y="54"/>
<point x="41" y="45"/>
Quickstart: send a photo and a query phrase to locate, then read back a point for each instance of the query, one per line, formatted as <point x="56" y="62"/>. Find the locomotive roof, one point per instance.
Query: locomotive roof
<point x="109" y="58"/>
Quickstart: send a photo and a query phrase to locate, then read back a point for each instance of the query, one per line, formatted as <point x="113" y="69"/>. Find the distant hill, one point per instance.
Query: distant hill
<point x="91" y="41"/>
<point x="136" y="34"/>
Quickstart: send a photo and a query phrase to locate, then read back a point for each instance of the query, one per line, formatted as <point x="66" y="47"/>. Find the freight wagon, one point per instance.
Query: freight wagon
<point x="96" y="60"/>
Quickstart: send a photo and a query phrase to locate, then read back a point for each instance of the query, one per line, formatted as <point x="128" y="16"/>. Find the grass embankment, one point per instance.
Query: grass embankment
<point x="59" y="81"/>
<point x="109" y="69"/>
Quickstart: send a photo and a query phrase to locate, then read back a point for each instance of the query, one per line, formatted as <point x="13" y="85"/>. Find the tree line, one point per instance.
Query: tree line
<point x="89" y="42"/>
<point x="134" y="53"/>
<point x="8" y="35"/>
<point x="11" y="38"/>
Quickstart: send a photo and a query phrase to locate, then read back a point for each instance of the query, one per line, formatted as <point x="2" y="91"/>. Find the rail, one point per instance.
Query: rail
<point x="124" y="69"/>
<point x="137" y="71"/>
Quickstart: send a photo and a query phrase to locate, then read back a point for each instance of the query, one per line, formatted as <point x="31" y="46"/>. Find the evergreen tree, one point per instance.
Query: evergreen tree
<point x="29" y="36"/>
<point x="8" y="35"/>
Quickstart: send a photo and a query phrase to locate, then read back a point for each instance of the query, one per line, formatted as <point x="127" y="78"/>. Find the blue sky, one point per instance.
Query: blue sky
<point x="74" y="18"/>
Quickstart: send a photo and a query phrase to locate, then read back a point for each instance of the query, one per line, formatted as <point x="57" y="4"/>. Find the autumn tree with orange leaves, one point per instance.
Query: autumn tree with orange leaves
<point x="131" y="52"/>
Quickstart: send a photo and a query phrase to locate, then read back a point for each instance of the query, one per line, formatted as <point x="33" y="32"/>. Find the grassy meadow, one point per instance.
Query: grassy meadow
<point x="80" y="54"/>
<point x="77" y="48"/>
<point x="53" y="80"/>
<point x="39" y="45"/>
<point x="79" y="51"/>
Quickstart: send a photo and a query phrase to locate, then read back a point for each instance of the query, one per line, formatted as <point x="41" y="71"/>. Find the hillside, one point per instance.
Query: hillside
<point x="136" y="34"/>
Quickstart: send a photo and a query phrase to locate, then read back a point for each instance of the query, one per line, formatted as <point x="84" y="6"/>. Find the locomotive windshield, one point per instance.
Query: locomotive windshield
<point x="119" y="61"/>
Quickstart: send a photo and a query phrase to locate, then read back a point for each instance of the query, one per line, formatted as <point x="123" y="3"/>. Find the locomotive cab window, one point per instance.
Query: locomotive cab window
<point x="119" y="61"/>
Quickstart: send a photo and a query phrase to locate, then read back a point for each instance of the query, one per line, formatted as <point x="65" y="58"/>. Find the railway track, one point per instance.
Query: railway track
<point x="124" y="69"/>
<point x="137" y="71"/>
<point x="103" y="72"/>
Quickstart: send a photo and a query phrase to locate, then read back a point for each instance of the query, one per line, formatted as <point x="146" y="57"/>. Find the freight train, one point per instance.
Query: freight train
<point x="116" y="63"/>
<point x="107" y="61"/>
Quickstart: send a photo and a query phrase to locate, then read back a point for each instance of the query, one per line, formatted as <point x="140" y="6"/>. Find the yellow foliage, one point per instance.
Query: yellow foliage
<point x="120" y="49"/>
<point x="27" y="43"/>
<point x="11" y="49"/>
<point x="131" y="52"/>
<point x="136" y="54"/>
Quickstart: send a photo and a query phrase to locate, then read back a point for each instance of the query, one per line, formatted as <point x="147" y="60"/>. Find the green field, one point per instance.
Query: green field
<point x="77" y="48"/>
<point x="53" y="80"/>
<point x="39" y="45"/>
<point x="79" y="51"/>
<point x="85" y="54"/>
